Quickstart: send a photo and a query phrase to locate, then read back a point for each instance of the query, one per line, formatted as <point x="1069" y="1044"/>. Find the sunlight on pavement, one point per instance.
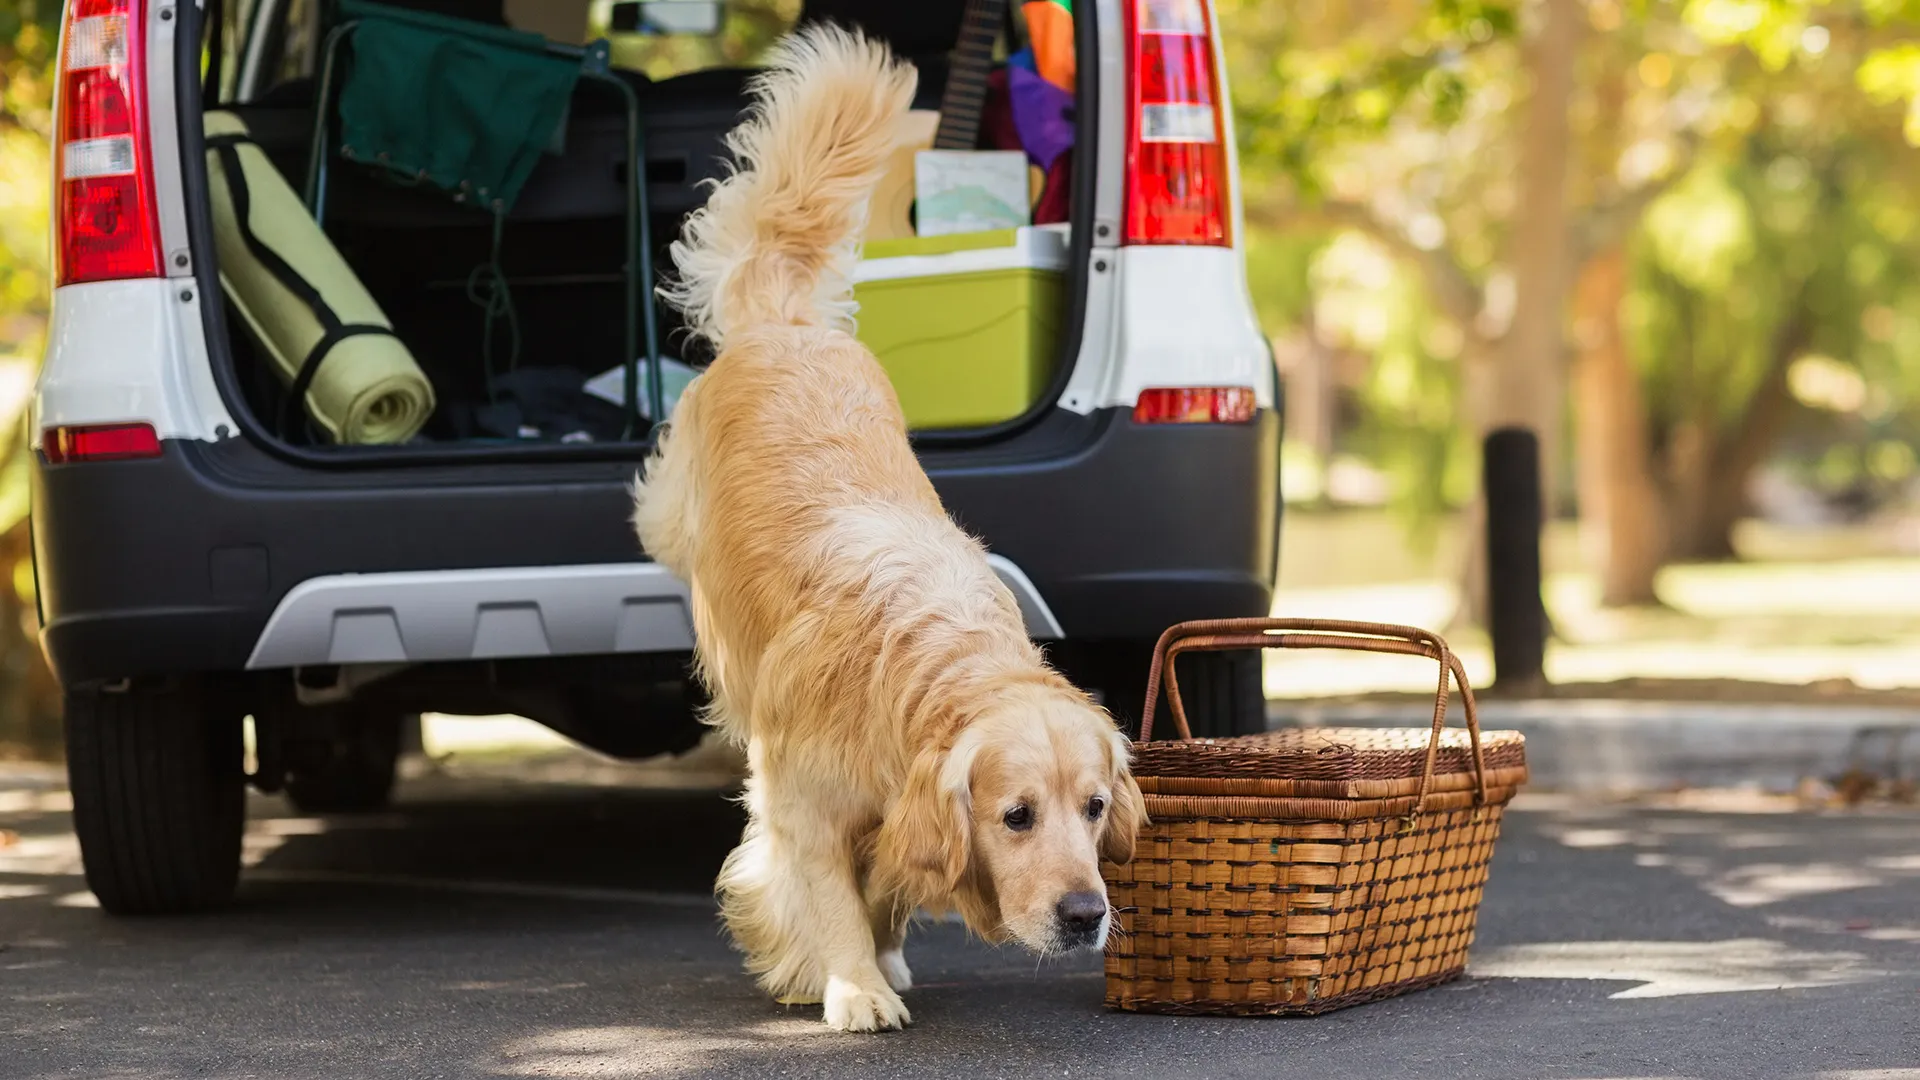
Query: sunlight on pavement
<point x="1326" y="673"/>
<point x="441" y="735"/>
<point x="1677" y="968"/>
<point x="35" y="802"/>
<point x="1757" y="886"/>
<point x="1901" y="932"/>
<point x="638" y="1050"/>
<point x="1857" y="587"/>
<point x="1713" y="855"/>
<point x="517" y="749"/>
<point x="1760" y="622"/>
<point x="51" y="855"/>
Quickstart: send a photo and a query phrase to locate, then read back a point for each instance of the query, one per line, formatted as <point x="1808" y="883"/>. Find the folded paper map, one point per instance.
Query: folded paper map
<point x="963" y="191"/>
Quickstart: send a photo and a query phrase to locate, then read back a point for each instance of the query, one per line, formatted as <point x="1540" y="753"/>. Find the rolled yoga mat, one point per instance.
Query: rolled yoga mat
<point x="329" y="340"/>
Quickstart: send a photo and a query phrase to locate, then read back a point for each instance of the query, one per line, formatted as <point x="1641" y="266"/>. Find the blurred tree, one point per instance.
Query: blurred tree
<point x="28" y="36"/>
<point x="29" y="699"/>
<point x="1443" y="133"/>
<point x="1439" y="132"/>
<point x="1754" y="261"/>
<point x="28" y="32"/>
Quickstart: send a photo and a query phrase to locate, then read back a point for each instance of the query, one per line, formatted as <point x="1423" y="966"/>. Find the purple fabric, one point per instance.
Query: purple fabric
<point x="1042" y="112"/>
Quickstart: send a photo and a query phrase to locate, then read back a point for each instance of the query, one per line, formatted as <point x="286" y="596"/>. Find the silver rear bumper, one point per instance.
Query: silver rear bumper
<point x="509" y="612"/>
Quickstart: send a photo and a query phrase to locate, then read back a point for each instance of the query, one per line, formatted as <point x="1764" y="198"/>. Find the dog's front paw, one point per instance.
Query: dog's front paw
<point x="893" y="964"/>
<point x="858" y="1008"/>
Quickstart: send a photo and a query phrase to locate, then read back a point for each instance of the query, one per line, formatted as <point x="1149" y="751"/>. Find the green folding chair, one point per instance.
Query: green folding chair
<point x="470" y="108"/>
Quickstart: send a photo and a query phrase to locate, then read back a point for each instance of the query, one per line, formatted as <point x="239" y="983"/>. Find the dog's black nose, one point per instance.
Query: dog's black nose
<point x="1080" y="912"/>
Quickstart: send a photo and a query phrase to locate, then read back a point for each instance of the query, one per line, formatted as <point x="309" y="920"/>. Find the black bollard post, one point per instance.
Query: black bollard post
<point x="1517" y="615"/>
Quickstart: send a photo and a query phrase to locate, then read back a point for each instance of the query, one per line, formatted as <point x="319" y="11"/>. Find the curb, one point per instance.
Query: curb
<point x="1630" y="747"/>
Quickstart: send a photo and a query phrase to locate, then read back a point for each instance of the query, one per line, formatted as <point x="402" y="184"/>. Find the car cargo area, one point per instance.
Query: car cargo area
<point x="373" y="311"/>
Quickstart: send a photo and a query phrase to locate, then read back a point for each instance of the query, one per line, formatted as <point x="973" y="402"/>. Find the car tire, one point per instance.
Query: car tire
<point x="1222" y="691"/>
<point x="354" y="772"/>
<point x="159" y="797"/>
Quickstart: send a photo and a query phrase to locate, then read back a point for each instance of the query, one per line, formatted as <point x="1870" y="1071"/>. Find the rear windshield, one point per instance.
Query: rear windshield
<point x="285" y="48"/>
<point x="273" y="42"/>
<point x="749" y="29"/>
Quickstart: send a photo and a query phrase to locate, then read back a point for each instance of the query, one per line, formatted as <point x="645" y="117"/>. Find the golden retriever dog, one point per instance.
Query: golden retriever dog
<point x="907" y="745"/>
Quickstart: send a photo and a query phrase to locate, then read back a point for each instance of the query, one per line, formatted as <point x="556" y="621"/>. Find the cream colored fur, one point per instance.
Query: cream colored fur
<point x="856" y="641"/>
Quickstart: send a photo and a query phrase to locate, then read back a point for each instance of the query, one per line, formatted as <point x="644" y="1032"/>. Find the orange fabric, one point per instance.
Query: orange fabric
<point x="1050" y="28"/>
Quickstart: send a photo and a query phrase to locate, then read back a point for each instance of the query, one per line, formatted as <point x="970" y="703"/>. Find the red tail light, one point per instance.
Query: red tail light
<point x="104" y="210"/>
<point x="1176" y="141"/>
<point x="1194" y="405"/>
<point x="99" y="442"/>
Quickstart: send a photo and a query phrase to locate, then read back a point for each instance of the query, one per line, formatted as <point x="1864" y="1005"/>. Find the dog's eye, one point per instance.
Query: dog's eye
<point x="1019" y="819"/>
<point x="1095" y="807"/>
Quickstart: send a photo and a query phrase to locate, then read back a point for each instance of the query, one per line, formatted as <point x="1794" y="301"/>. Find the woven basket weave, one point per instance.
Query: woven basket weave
<point x="1305" y="870"/>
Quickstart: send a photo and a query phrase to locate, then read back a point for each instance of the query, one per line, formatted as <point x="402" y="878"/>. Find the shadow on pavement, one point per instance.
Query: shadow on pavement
<point x="488" y="928"/>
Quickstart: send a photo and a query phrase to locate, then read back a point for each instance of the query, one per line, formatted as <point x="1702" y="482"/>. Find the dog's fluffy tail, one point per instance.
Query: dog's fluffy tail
<point x="776" y="242"/>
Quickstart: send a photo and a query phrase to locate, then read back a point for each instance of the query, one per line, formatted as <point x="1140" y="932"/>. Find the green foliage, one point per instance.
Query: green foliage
<point x="28" y="36"/>
<point x="1279" y="274"/>
<point x="1808" y="216"/>
<point x="1753" y="153"/>
<point x="1892" y="75"/>
<point x="29" y="31"/>
<point x="1333" y="103"/>
<point x="1309" y="78"/>
<point x="1701" y="232"/>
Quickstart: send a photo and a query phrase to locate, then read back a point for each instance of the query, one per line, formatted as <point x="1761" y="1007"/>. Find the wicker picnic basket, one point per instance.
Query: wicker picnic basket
<point x="1305" y="870"/>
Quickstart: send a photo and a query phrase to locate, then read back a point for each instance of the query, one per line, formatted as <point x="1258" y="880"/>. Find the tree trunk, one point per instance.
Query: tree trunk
<point x="1709" y="493"/>
<point x="1524" y="386"/>
<point x="1620" y="511"/>
<point x="1476" y="404"/>
<point x="1527" y="383"/>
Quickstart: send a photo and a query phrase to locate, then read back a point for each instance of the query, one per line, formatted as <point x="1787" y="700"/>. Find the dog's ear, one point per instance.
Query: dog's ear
<point x="926" y="840"/>
<point x="1129" y="811"/>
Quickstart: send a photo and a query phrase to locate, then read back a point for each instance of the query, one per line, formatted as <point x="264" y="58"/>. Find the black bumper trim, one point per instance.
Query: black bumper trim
<point x="174" y="565"/>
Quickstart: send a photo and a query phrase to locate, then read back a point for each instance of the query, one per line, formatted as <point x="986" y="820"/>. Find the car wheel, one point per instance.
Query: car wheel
<point x="353" y="771"/>
<point x="1222" y="691"/>
<point x="159" y="797"/>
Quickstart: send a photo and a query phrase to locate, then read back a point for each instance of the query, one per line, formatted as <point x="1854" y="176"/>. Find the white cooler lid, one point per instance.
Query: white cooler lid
<point x="1034" y="247"/>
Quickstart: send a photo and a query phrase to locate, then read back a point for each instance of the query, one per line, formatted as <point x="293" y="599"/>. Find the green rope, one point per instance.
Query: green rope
<point x="487" y="288"/>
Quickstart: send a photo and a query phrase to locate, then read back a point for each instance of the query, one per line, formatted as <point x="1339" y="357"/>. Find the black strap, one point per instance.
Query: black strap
<point x="333" y="331"/>
<point x="226" y="147"/>
<point x="309" y="367"/>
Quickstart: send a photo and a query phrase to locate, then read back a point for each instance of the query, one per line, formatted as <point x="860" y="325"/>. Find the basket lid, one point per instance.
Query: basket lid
<point x="1328" y="754"/>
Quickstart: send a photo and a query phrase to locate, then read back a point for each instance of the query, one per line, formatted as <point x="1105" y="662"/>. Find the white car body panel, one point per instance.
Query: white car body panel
<point x="120" y="351"/>
<point x="1178" y="317"/>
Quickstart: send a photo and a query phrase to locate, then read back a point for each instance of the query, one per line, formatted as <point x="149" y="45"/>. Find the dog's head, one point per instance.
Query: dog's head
<point x="1010" y="823"/>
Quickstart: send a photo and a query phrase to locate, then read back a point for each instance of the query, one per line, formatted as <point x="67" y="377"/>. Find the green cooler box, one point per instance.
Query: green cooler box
<point x="966" y="325"/>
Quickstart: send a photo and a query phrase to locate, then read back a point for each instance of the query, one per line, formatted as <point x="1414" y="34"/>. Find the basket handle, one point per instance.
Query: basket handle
<point x="1220" y="635"/>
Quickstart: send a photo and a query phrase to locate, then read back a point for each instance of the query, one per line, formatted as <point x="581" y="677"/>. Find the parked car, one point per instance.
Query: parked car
<point x="200" y="561"/>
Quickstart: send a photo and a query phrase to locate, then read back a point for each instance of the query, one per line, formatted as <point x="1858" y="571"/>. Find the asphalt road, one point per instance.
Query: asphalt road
<point x="509" y="927"/>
